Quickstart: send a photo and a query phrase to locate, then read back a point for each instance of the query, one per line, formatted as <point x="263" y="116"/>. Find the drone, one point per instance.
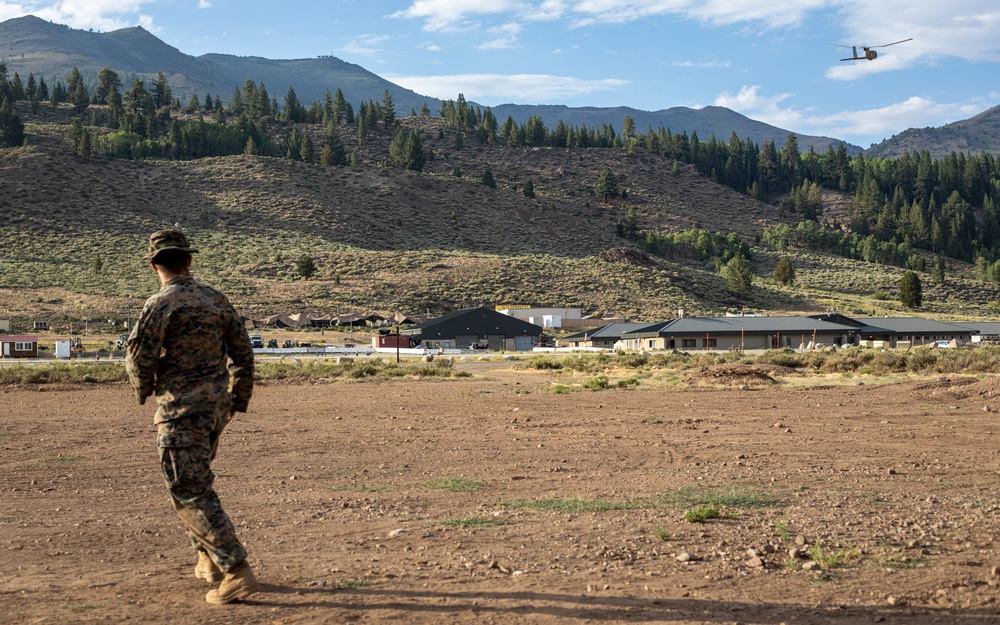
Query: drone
<point x="870" y="53"/>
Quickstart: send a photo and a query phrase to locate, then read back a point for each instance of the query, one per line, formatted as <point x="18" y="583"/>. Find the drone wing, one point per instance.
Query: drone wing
<point x="886" y="45"/>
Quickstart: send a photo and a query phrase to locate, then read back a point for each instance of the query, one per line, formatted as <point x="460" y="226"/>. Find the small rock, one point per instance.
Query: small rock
<point x="744" y="387"/>
<point x="396" y="532"/>
<point x="891" y="471"/>
<point x="800" y="540"/>
<point x="895" y="601"/>
<point x="811" y="565"/>
<point x="995" y="571"/>
<point x="986" y="408"/>
<point x="685" y="556"/>
<point x="755" y="563"/>
<point x="795" y="554"/>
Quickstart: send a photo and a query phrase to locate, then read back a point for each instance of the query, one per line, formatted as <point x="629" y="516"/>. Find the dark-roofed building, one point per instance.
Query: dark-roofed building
<point x="605" y="336"/>
<point x="741" y="332"/>
<point x="482" y="325"/>
<point x="910" y="330"/>
<point x="982" y="331"/>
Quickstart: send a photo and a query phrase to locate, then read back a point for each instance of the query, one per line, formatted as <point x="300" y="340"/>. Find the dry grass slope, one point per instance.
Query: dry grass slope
<point x="387" y="238"/>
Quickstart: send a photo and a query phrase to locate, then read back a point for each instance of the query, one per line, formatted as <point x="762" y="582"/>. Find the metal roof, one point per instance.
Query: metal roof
<point x="748" y="325"/>
<point x="607" y="332"/>
<point x="910" y="325"/>
<point x="981" y="327"/>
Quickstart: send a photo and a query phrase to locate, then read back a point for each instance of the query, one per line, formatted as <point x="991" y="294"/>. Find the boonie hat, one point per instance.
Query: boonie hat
<point x="169" y="239"/>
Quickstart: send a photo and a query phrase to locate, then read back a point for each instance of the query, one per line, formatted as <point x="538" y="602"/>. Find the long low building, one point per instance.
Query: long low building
<point x="743" y="332"/>
<point x="761" y="332"/>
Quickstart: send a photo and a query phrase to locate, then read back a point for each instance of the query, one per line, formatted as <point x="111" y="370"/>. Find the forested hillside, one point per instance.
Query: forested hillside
<point x="320" y="206"/>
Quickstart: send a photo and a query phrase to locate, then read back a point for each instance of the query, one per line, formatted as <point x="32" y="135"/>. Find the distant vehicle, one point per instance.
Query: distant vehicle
<point x="256" y="341"/>
<point x="942" y="343"/>
<point x="477" y="345"/>
<point x="272" y="344"/>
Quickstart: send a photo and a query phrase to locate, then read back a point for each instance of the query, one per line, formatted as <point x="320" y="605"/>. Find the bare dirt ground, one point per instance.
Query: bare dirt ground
<point x="349" y="497"/>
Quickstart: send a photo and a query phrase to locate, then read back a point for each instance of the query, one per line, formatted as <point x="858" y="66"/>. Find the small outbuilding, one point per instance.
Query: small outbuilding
<point x="19" y="346"/>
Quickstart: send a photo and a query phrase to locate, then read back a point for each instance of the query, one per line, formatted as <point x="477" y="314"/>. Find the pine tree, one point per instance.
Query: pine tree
<point x="488" y="180"/>
<point x="162" y="95"/>
<point x="307" y="151"/>
<point x="910" y="291"/>
<point x="326" y="157"/>
<point x="305" y="267"/>
<point x="529" y="189"/>
<point x="11" y="126"/>
<point x="607" y="185"/>
<point x="339" y="107"/>
<point x="406" y="150"/>
<point x="739" y="278"/>
<point x="784" y="272"/>
<point x="388" y="110"/>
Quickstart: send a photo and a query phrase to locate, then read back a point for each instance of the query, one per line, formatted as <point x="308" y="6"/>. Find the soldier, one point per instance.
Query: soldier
<point x="179" y="351"/>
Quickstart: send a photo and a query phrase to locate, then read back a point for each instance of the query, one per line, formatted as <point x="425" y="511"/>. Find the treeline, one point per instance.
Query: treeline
<point x="945" y="206"/>
<point x="811" y="235"/>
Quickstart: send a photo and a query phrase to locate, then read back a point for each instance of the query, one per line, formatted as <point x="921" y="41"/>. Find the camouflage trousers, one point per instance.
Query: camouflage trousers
<point x="187" y="447"/>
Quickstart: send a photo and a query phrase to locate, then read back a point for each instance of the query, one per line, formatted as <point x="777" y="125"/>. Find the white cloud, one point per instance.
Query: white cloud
<point x="204" y="4"/>
<point x="505" y="36"/>
<point x="101" y="15"/>
<point x="501" y="88"/>
<point x="861" y="126"/>
<point x="432" y="47"/>
<point x="447" y="15"/>
<point x="366" y="45"/>
<point x="962" y="28"/>
<point x="702" y="64"/>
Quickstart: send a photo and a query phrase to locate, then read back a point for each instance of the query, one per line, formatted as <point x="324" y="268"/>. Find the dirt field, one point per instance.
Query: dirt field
<point x="493" y="500"/>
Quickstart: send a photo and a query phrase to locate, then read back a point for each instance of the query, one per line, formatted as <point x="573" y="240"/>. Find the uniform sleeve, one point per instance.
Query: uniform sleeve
<point x="241" y="371"/>
<point x="142" y="351"/>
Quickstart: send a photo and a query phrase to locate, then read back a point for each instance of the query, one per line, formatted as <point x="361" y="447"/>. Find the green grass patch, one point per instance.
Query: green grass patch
<point x="832" y="559"/>
<point x="700" y="514"/>
<point x="454" y="484"/>
<point x="733" y="497"/>
<point x="561" y="389"/>
<point x="895" y="560"/>
<point x="662" y="533"/>
<point x="475" y="522"/>
<point x="62" y="373"/>
<point x="781" y="530"/>
<point x="575" y="505"/>
<point x="323" y="369"/>
<point x="686" y="497"/>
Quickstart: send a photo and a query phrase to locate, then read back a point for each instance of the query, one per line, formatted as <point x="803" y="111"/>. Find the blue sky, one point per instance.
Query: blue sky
<point x="766" y="59"/>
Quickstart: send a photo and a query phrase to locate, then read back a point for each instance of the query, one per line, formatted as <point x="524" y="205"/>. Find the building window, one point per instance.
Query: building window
<point x="709" y="343"/>
<point x="652" y="343"/>
<point x="689" y="342"/>
<point x="22" y="347"/>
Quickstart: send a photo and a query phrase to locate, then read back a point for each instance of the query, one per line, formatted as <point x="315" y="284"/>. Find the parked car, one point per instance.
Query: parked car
<point x="256" y="341"/>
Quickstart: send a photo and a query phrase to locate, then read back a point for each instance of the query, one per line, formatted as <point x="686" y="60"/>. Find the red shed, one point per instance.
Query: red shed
<point x="19" y="346"/>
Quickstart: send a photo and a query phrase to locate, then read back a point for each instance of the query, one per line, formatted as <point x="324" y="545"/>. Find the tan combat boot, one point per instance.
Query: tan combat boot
<point x="207" y="570"/>
<point x="239" y="583"/>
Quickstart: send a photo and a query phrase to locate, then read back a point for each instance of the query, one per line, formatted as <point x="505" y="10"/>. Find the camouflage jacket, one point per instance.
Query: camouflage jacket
<point x="180" y="347"/>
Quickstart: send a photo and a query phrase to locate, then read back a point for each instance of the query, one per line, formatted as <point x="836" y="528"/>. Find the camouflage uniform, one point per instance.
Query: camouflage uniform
<point x="178" y="350"/>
